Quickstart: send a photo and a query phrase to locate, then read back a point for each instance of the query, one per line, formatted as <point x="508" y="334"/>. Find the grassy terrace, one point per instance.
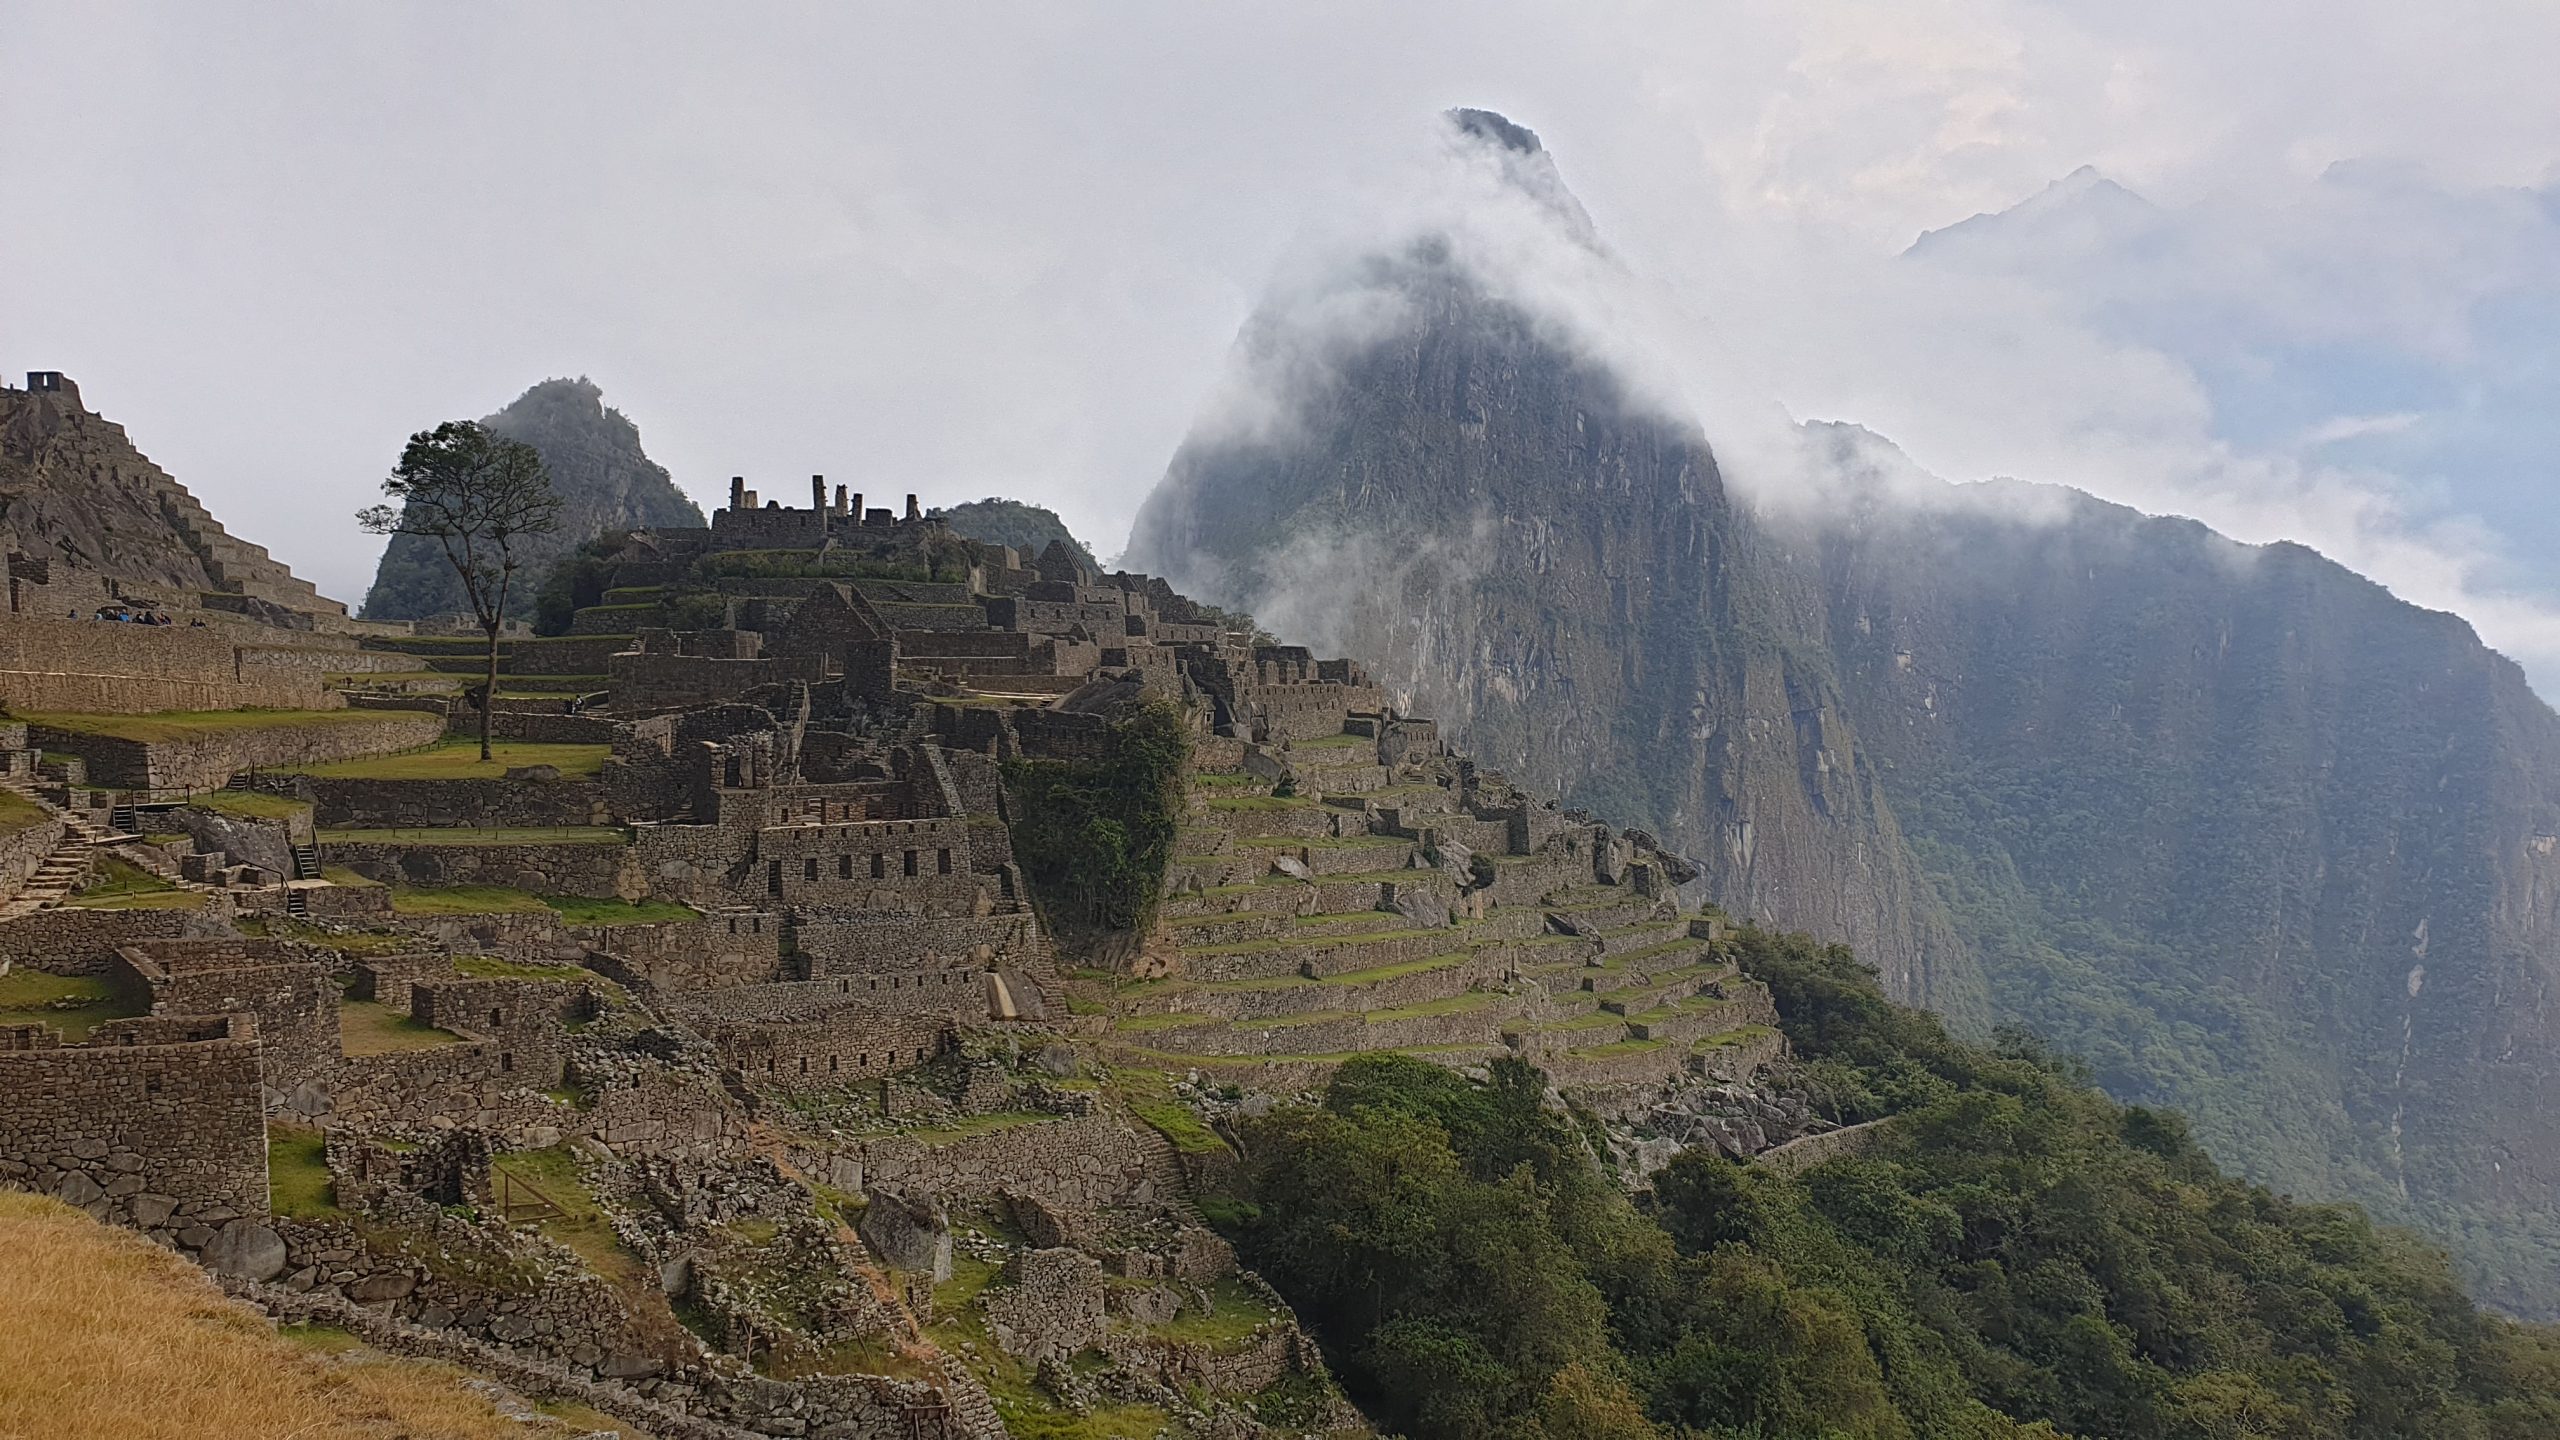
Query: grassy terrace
<point x="1306" y="942"/>
<point x="17" y="812"/>
<point x="1230" y="804"/>
<point x="169" y="725"/>
<point x="473" y="835"/>
<point x="298" y="1174"/>
<point x="248" y="804"/>
<point x="1335" y="742"/>
<point x="553" y="1173"/>
<point x="68" y="1003"/>
<point x="464" y="900"/>
<point x="460" y="760"/>
<point x="121" y="885"/>
<point x="1355" y="977"/>
<point x="368" y="1027"/>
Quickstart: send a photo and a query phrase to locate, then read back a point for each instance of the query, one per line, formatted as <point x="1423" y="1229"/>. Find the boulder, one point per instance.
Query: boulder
<point x="77" y="1189"/>
<point x="1057" y="1058"/>
<point x="909" y="1230"/>
<point x="1293" y="867"/>
<point x="247" y="1249"/>
<point x="375" y="1289"/>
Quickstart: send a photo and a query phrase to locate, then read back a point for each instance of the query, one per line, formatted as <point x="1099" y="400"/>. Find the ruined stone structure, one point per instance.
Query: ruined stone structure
<point x="755" y="976"/>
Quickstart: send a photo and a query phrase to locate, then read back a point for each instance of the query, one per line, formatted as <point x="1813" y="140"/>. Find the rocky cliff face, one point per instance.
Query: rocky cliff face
<point x="2250" y="835"/>
<point x="607" y="481"/>
<point x="1560" y="576"/>
<point x="2235" y="825"/>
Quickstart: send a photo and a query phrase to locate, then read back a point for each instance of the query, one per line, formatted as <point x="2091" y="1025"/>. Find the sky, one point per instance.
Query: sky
<point x="2304" y="292"/>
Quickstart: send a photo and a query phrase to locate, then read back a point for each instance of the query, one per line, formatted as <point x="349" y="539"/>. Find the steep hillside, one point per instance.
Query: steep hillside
<point x="597" y="466"/>
<point x="2251" y="835"/>
<point x="1027" y="528"/>
<point x="75" y="494"/>
<point x="2239" y="828"/>
<point x="109" y="1334"/>
<point x="1559" y="576"/>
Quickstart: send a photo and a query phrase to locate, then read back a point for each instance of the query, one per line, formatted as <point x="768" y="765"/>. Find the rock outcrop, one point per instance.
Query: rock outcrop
<point x="605" y="479"/>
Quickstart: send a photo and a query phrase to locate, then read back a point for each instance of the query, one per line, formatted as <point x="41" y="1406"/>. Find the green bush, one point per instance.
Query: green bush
<point x="1094" y="835"/>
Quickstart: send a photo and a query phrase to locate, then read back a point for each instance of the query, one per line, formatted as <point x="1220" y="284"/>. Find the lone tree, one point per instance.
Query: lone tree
<point x="476" y="495"/>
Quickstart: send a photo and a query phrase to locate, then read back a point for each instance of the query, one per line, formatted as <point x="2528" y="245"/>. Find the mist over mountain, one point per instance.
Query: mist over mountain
<point x="2248" y="834"/>
<point x="606" y="481"/>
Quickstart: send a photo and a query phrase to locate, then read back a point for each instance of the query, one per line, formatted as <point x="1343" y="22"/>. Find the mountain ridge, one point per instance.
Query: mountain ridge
<point x="2219" y="793"/>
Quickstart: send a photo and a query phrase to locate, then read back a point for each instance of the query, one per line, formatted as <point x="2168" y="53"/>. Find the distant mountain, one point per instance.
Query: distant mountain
<point x="1027" y="528"/>
<point x="2248" y="834"/>
<point x="607" y="481"/>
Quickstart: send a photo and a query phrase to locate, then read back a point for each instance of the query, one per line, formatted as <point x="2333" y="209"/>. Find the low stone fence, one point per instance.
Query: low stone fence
<point x="597" y="872"/>
<point x="208" y="761"/>
<point x="1080" y="1162"/>
<point x="23" y="852"/>
<point x="68" y="940"/>
<point x="144" y="1125"/>
<point x="493" y="804"/>
<point x="1797" y="1156"/>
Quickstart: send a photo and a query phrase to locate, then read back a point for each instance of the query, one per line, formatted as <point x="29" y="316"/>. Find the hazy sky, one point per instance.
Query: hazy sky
<point x="966" y="250"/>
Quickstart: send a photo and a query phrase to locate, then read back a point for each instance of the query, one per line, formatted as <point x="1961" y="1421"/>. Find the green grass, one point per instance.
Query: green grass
<point x="1149" y="1096"/>
<point x="1620" y="1047"/>
<point x="1259" y="802"/>
<point x="1027" y="1412"/>
<point x="1335" y="742"/>
<point x="111" y="876"/>
<point x="479" y="835"/>
<point x="1726" y="1039"/>
<point x="1446" y="1005"/>
<point x="581" y="911"/>
<point x="464" y="900"/>
<point x="249" y="804"/>
<point x="17" y="813"/>
<point x="583" y="1227"/>
<point x="1308" y="941"/>
<point x="368" y="1027"/>
<point x="68" y="1003"/>
<point x="298" y="1185"/>
<point x="968" y="1126"/>
<point x="1235" y="1314"/>
<point x="169" y="725"/>
<point x="341" y="875"/>
<point x="460" y="760"/>
<point x="142" y="900"/>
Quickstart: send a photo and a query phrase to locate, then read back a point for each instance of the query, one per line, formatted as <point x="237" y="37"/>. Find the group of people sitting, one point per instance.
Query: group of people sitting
<point x="129" y="615"/>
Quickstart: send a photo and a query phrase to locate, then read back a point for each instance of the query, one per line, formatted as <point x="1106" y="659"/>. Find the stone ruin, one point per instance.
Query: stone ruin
<point x="766" y="1105"/>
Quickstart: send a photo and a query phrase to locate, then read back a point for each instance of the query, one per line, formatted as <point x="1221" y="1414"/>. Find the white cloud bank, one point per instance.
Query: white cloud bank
<point x="975" y="250"/>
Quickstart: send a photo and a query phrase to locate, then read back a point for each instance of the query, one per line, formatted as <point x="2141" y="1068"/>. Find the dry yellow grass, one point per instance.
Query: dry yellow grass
<point x="105" y="1333"/>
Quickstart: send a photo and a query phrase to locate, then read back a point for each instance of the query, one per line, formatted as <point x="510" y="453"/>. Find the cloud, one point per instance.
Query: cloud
<point x="960" y="252"/>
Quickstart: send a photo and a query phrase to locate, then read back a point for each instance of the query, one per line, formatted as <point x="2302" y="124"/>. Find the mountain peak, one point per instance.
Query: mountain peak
<point x="1496" y="129"/>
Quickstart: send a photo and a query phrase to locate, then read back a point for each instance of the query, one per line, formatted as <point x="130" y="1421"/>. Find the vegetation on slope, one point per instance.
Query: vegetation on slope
<point x="2018" y="1257"/>
<point x="1094" y="835"/>
<point x="1027" y="528"/>
<point x="106" y="1333"/>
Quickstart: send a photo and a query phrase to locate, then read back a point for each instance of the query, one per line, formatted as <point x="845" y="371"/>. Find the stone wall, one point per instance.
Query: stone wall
<point x="598" y="872"/>
<point x="719" y="950"/>
<point x="467" y="803"/>
<point x="207" y="762"/>
<point x="72" y="941"/>
<point x="141" y="1125"/>
<point x="958" y="993"/>
<point x="879" y="944"/>
<point x="1080" y="1162"/>
<point x="96" y="667"/>
<point x="831" y="1049"/>
<point x="1797" y="1156"/>
<point x="23" y="852"/>
<point x="293" y="998"/>
<point x="875" y="865"/>
<point x="527" y="1018"/>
